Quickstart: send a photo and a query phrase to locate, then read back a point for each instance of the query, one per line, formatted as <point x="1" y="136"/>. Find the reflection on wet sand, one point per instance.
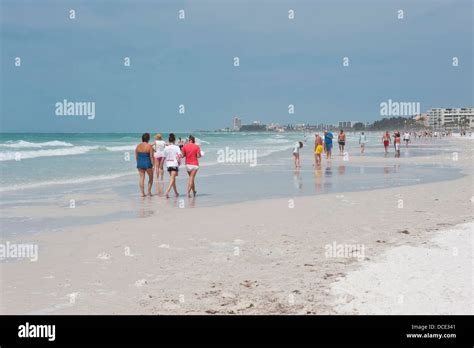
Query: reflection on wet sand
<point x="145" y="210"/>
<point x="297" y="181"/>
<point x="160" y="188"/>
<point x="328" y="171"/>
<point x="318" y="173"/>
<point x="341" y="169"/>
<point x="191" y="202"/>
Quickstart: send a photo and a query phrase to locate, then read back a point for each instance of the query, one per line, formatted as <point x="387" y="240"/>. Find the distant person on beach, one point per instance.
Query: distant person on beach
<point x="394" y="138"/>
<point x="159" y="155"/>
<point x="180" y="143"/>
<point x="296" y="153"/>
<point x="341" y="139"/>
<point x="397" y="144"/>
<point x="173" y="160"/>
<point x="406" y="138"/>
<point x="144" y="157"/>
<point x="362" y="142"/>
<point x="318" y="149"/>
<point x="386" y="141"/>
<point x="191" y="152"/>
<point x="328" y="143"/>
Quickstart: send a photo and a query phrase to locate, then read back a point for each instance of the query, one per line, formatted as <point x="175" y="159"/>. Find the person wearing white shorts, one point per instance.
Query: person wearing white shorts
<point x="191" y="151"/>
<point x="191" y="167"/>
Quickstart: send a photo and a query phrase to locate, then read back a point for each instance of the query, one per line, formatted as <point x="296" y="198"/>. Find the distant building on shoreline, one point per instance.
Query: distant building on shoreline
<point x="459" y="118"/>
<point x="345" y="124"/>
<point x="236" y="124"/>
<point x="451" y="117"/>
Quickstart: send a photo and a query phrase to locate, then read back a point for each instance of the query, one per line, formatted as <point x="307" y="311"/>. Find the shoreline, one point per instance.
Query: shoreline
<point x="40" y="210"/>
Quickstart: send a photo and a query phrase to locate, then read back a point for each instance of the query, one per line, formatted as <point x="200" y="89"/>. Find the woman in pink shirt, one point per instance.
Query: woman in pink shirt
<point x="191" y="152"/>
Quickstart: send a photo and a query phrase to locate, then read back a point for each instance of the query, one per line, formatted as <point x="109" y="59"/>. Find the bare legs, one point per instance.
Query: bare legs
<point x="160" y="186"/>
<point x="297" y="159"/>
<point x="141" y="180"/>
<point x="150" y="180"/>
<point x="191" y="186"/>
<point x="159" y="168"/>
<point x="172" y="184"/>
<point x="341" y="149"/>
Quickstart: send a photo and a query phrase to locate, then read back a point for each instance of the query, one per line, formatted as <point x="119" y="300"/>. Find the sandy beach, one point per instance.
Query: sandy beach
<point x="408" y="250"/>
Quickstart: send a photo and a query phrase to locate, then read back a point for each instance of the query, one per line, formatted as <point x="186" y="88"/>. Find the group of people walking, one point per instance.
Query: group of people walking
<point x="321" y="144"/>
<point x="324" y="143"/>
<point x="397" y="140"/>
<point x="153" y="158"/>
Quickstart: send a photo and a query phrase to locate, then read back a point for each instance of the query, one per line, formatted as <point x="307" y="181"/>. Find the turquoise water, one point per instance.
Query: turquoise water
<point x="35" y="160"/>
<point x="41" y="160"/>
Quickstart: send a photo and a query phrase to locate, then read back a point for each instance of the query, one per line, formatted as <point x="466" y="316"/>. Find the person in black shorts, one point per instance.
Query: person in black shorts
<point x="341" y="140"/>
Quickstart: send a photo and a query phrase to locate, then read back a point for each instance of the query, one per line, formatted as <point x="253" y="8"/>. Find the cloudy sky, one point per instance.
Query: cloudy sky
<point x="191" y="61"/>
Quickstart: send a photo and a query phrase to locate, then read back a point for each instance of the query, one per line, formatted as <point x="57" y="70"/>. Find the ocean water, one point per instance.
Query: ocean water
<point x="41" y="160"/>
<point x="46" y="170"/>
<point x="35" y="160"/>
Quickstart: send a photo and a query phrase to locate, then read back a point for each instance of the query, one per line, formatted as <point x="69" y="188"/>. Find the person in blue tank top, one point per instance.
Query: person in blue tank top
<point x="144" y="157"/>
<point x="328" y="143"/>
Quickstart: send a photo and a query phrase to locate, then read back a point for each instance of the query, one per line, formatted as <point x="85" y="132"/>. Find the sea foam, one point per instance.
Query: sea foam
<point x="27" y="144"/>
<point x="78" y="150"/>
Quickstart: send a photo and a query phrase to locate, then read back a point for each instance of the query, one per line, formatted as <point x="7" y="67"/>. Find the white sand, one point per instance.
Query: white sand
<point x="435" y="278"/>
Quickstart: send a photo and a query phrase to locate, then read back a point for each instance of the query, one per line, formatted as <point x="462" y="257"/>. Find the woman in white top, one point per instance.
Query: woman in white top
<point x="296" y="153"/>
<point x="159" y="156"/>
<point x="406" y="137"/>
<point x="173" y="161"/>
<point x="362" y="142"/>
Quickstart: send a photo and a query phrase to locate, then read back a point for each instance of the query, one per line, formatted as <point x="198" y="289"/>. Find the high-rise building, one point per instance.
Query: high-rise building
<point x="451" y="117"/>
<point x="236" y="124"/>
<point x="345" y="124"/>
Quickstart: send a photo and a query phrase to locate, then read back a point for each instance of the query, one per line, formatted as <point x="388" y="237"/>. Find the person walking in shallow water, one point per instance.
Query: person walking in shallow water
<point x="341" y="140"/>
<point x="191" y="152"/>
<point x="318" y="149"/>
<point x="159" y="156"/>
<point x="144" y="157"/>
<point x="328" y="143"/>
<point x="397" y="143"/>
<point x="386" y="141"/>
<point x="172" y="160"/>
<point x="362" y="142"/>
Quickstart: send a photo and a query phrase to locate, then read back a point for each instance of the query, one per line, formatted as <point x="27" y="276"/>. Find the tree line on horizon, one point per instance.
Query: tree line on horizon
<point x="390" y="123"/>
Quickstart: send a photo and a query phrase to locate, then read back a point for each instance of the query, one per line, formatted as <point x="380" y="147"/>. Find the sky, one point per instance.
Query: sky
<point x="190" y="62"/>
